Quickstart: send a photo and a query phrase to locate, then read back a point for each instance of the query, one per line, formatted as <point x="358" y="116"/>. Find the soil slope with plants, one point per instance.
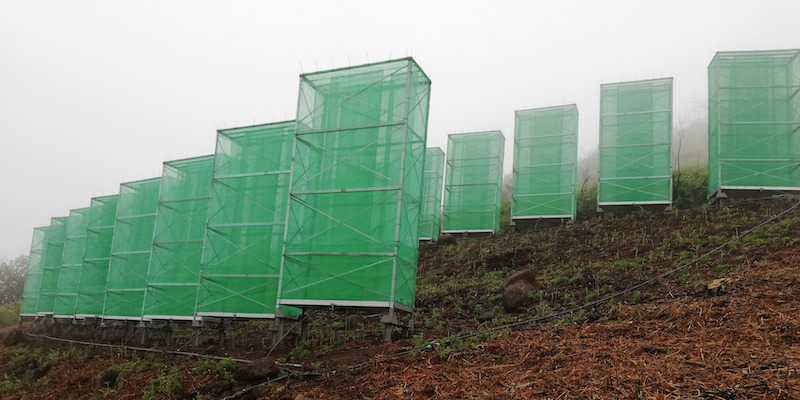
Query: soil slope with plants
<point x="672" y="338"/>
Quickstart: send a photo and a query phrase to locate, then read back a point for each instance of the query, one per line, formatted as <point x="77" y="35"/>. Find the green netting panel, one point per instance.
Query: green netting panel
<point x="178" y="239"/>
<point x="353" y="225"/>
<point x="431" y="207"/>
<point x="246" y="216"/>
<point x="635" y="141"/>
<point x="51" y="265"/>
<point x="545" y="157"/>
<point x="130" y="251"/>
<point x="33" y="275"/>
<point x="473" y="182"/>
<point x="71" y="263"/>
<point x="96" y="256"/>
<point x="754" y="120"/>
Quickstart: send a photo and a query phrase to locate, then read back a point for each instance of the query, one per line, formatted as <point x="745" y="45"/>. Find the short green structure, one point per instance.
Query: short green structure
<point x="173" y="274"/>
<point x="545" y="165"/>
<point x="754" y="123"/>
<point x="131" y="248"/>
<point x="430" y="219"/>
<point x="51" y="267"/>
<point x="33" y="275"/>
<point x="635" y="141"/>
<point x="473" y="183"/>
<point x="352" y="229"/>
<point x="96" y="257"/>
<point x="71" y="264"/>
<point x="246" y="217"/>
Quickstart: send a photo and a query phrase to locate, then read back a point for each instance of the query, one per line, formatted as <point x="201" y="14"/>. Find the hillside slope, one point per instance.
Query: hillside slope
<point x="669" y="339"/>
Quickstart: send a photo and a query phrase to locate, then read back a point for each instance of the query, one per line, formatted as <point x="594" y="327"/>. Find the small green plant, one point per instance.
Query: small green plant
<point x="303" y="349"/>
<point x="164" y="384"/>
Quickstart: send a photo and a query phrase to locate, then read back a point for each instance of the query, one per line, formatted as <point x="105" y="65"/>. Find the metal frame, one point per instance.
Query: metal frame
<point x="407" y="67"/>
<point x="275" y="132"/>
<point x="497" y="186"/>
<point x="564" y="134"/>
<point x="433" y="173"/>
<point x="716" y="98"/>
<point x="114" y="254"/>
<point x="634" y="205"/>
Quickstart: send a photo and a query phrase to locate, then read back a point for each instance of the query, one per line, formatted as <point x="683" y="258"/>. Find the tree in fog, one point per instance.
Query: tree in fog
<point x="12" y="279"/>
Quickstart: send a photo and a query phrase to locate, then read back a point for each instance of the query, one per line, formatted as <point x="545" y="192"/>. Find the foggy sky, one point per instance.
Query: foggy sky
<point x="95" y="93"/>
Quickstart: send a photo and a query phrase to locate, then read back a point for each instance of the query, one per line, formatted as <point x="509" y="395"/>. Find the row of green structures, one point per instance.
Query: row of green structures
<point x="328" y="210"/>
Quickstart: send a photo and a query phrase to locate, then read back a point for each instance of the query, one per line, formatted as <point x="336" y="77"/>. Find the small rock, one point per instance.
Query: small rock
<point x="653" y="349"/>
<point x="353" y="321"/>
<point x="33" y="374"/>
<point x="486" y="316"/>
<point x="526" y="275"/>
<point x="516" y="288"/>
<point x="515" y="296"/>
<point x="215" y="387"/>
<point x="302" y="397"/>
<point x="446" y="239"/>
<point x="258" y="370"/>
<point x="210" y="350"/>
<point x="14" y="338"/>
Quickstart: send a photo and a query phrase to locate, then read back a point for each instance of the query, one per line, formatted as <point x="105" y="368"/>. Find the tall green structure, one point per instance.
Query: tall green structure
<point x="246" y="217"/>
<point x="753" y="122"/>
<point x="71" y="264"/>
<point x="172" y="277"/>
<point x="352" y="229"/>
<point x="51" y="267"/>
<point x="96" y="256"/>
<point x="33" y="275"/>
<point x="430" y="218"/>
<point x="473" y="183"/>
<point x="131" y="248"/>
<point x="635" y="140"/>
<point x="545" y="164"/>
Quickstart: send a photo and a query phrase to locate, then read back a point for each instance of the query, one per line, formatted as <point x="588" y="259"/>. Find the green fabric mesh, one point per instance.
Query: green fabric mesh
<point x="353" y="225"/>
<point x="130" y="252"/>
<point x="33" y="275"/>
<point x="473" y="182"/>
<point x="431" y="207"/>
<point x="96" y="255"/>
<point x="635" y="141"/>
<point x="71" y="263"/>
<point x="51" y="268"/>
<point x="246" y="216"/>
<point x="545" y="157"/>
<point x="178" y="238"/>
<point x="754" y="120"/>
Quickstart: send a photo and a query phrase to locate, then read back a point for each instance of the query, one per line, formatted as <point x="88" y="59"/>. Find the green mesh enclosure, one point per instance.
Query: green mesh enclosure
<point x="130" y="251"/>
<point x="635" y="141"/>
<point x="51" y="267"/>
<point x="71" y="264"/>
<point x="96" y="256"/>
<point x="353" y="224"/>
<point x="246" y="216"/>
<point x="754" y="121"/>
<point x="473" y="182"/>
<point x="33" y="275"/>
<point x="431" y="208"/>
<point x="545" y="157"/>
<point x="178" y="239"/>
